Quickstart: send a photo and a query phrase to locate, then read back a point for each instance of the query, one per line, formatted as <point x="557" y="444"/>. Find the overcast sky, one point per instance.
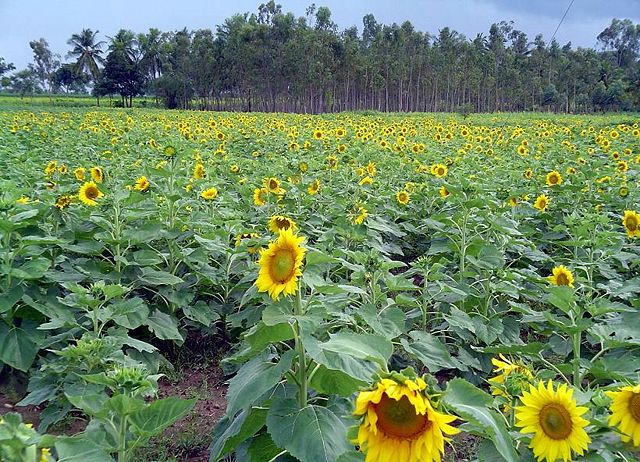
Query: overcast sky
<point x="55" y="20"/>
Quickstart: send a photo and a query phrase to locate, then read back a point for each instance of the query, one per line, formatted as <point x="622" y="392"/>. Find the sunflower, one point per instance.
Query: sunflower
<point x="541" y="203"/>
<point x="23" y="200"/>
<point x="260" y="196"/>
<point x="241" y="237"/>
<point x="625" y="412"/>
<point x="631" y="222"/>
<point x="63" y="202"/>
<point x="555" y="420"/>
<point x="561" y="276"/>
<point x="280" y="265"/>
<point x="96" y="174"/>
<point x="398" y="422"/>
<point x="403" y="197"/>
<point x="279" y="223"/>
<point x="272" y="185"/>
<point x="513" y="201"/>
<point x="367" y="180"/>
<point x="554" y="178"/>
<point x="314" y="187"/>
<point x="318" y="134"/>
<point x="63" y="169"/>
<point x="371" y="168"/>
<point x="361" y="215"/>
<point x="444" y="192"/>
<point x="51" y="168"/>
<point x="528" y="174"/>
<point x="303" y="167"/>
<point x="169" y="151"/>
<point x="80" y="173"/>
<point x="209" y="194"/>
<point x="623" y="166"/>
<point x="142" y="184"/>
<point x="439" y="170"/>
<point x="332" y="162"/>
<point x="510" y="376"/>
<point x="199" y="172"/>
<point x="88" y="193"/>
<point x="234" y="168"/>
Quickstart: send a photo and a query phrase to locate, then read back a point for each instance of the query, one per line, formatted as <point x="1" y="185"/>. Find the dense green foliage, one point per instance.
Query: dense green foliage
<point x="274" y="61"/>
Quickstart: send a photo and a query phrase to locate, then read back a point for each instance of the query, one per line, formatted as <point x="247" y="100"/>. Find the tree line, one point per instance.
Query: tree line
<point x="274" y="61"/>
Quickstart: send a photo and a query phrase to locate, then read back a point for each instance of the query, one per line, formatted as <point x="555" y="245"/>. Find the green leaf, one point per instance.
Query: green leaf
<point x="80" y="449"/>
<point x="163" y="326"/>
<point x="201" y="312"/>
<point x="351" y="456"/>
<point x="310" y="434"/>
<point x="254" y="379"/>
<point x="362" y="346"/>
<point x="260" y="336"/>
<point x="158" y="278"/>
<point x="17" y="349"/>
<point x="123" y="405"/>
<point x="263" y="449"/>
<point x="389" y="322"/>
<point x="472" y="404"/>
<point x="431" y="352"/>
<point x="129" y="313"/>
<point x="228" y="433"/>
<point x="159" y="415"/>
<point x="531" y="349"/>
<point x="561" y="297"/>
<point x="32" y="269"/>
<point x="8" y="300"/>
<point x="334" y="382"/>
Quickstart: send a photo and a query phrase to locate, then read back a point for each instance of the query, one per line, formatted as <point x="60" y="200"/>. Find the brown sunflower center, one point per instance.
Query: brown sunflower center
<point x="399" y="419"/>
<point x="631" y="223"/>
<point x="283" y="265"/>
<point x="283" y="223"/>
<point x="92" y="192"/>
<point x="562" y="279"/>
<point x="273" y="184"/>
<point x="555" y="421"/>
<point x="440" y="171"/>
<point x="634" y="406"/>
<point x="553" y="179"/>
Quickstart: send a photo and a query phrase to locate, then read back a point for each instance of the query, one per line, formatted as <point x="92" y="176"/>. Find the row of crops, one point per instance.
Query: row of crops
<point x="384" y="284"/>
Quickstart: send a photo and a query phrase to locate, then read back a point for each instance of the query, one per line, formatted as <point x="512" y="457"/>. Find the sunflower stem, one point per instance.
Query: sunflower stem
<point x="298" y="310"/>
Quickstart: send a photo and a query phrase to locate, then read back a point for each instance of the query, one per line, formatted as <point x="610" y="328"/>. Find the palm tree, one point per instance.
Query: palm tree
<point x="125" y="42"/>
<point x="87" y="51"/>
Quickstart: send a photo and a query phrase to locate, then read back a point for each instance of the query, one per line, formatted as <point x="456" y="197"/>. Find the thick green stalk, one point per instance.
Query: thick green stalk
<point x="302" y="359"/>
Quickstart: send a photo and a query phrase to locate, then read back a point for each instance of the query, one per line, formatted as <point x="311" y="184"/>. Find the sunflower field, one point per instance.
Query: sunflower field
<point x="387" y="287"/>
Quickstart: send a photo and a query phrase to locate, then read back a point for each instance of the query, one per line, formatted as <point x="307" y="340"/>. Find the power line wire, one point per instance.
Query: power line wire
<point x="561" y="21"/>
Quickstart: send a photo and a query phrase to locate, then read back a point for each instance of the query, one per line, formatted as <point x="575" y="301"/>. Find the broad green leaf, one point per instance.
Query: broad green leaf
<point x="8" y="300"/>
<point x="158" y="278"/>
<point x="80" y="449"/>
<point x="531" y="349"/>
<point x="310" y="434"/>
<point x="163" y="326"/>
<point x="159" y="415"/>
<point x="17" y="349"/>
<point x="255" y="378"/>
<point x="32" y="269"/>
<point x="231" y="431"/>
<point x="433" y="354"/>
<point x="201" y="312"/>
<point x="260" y="336"/>
<point x="130" y="313"/>
<point x="472" y="404"/>
<point x="561" y="297"/>
<point x="362" y="346"/>
<point x="334" y="382"/>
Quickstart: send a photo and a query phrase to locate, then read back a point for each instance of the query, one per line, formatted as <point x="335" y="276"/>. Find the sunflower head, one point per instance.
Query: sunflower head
<point x="88" y="194"/>
<point x="80" y="173"/>
<point x="142" y="184"/>
<point x="512" y="378"/>
<point x="555" y="420"/>
<point x="443" y="191"/>
<point x="63" y="202"/>
<point x="625" y="413"/>
<point x="272" y="185"/>
<point x="314" y="187"/>
<point x="439" y="170"/>
<point x="631" y="222"/>
<point x="541" y="203"/>
<point x="554" y="178"/>
<point x="398" y="421"/>
<point x="280" y="265"/>
<point x="209" y="194"/>
<point x="561" y="276"/>
<point x="403" y="197"/>
<point x="198" y="171"/>
<point x="279" y="223"/>
<point x="260" y="196"/>
<point x="97" y="175"/>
